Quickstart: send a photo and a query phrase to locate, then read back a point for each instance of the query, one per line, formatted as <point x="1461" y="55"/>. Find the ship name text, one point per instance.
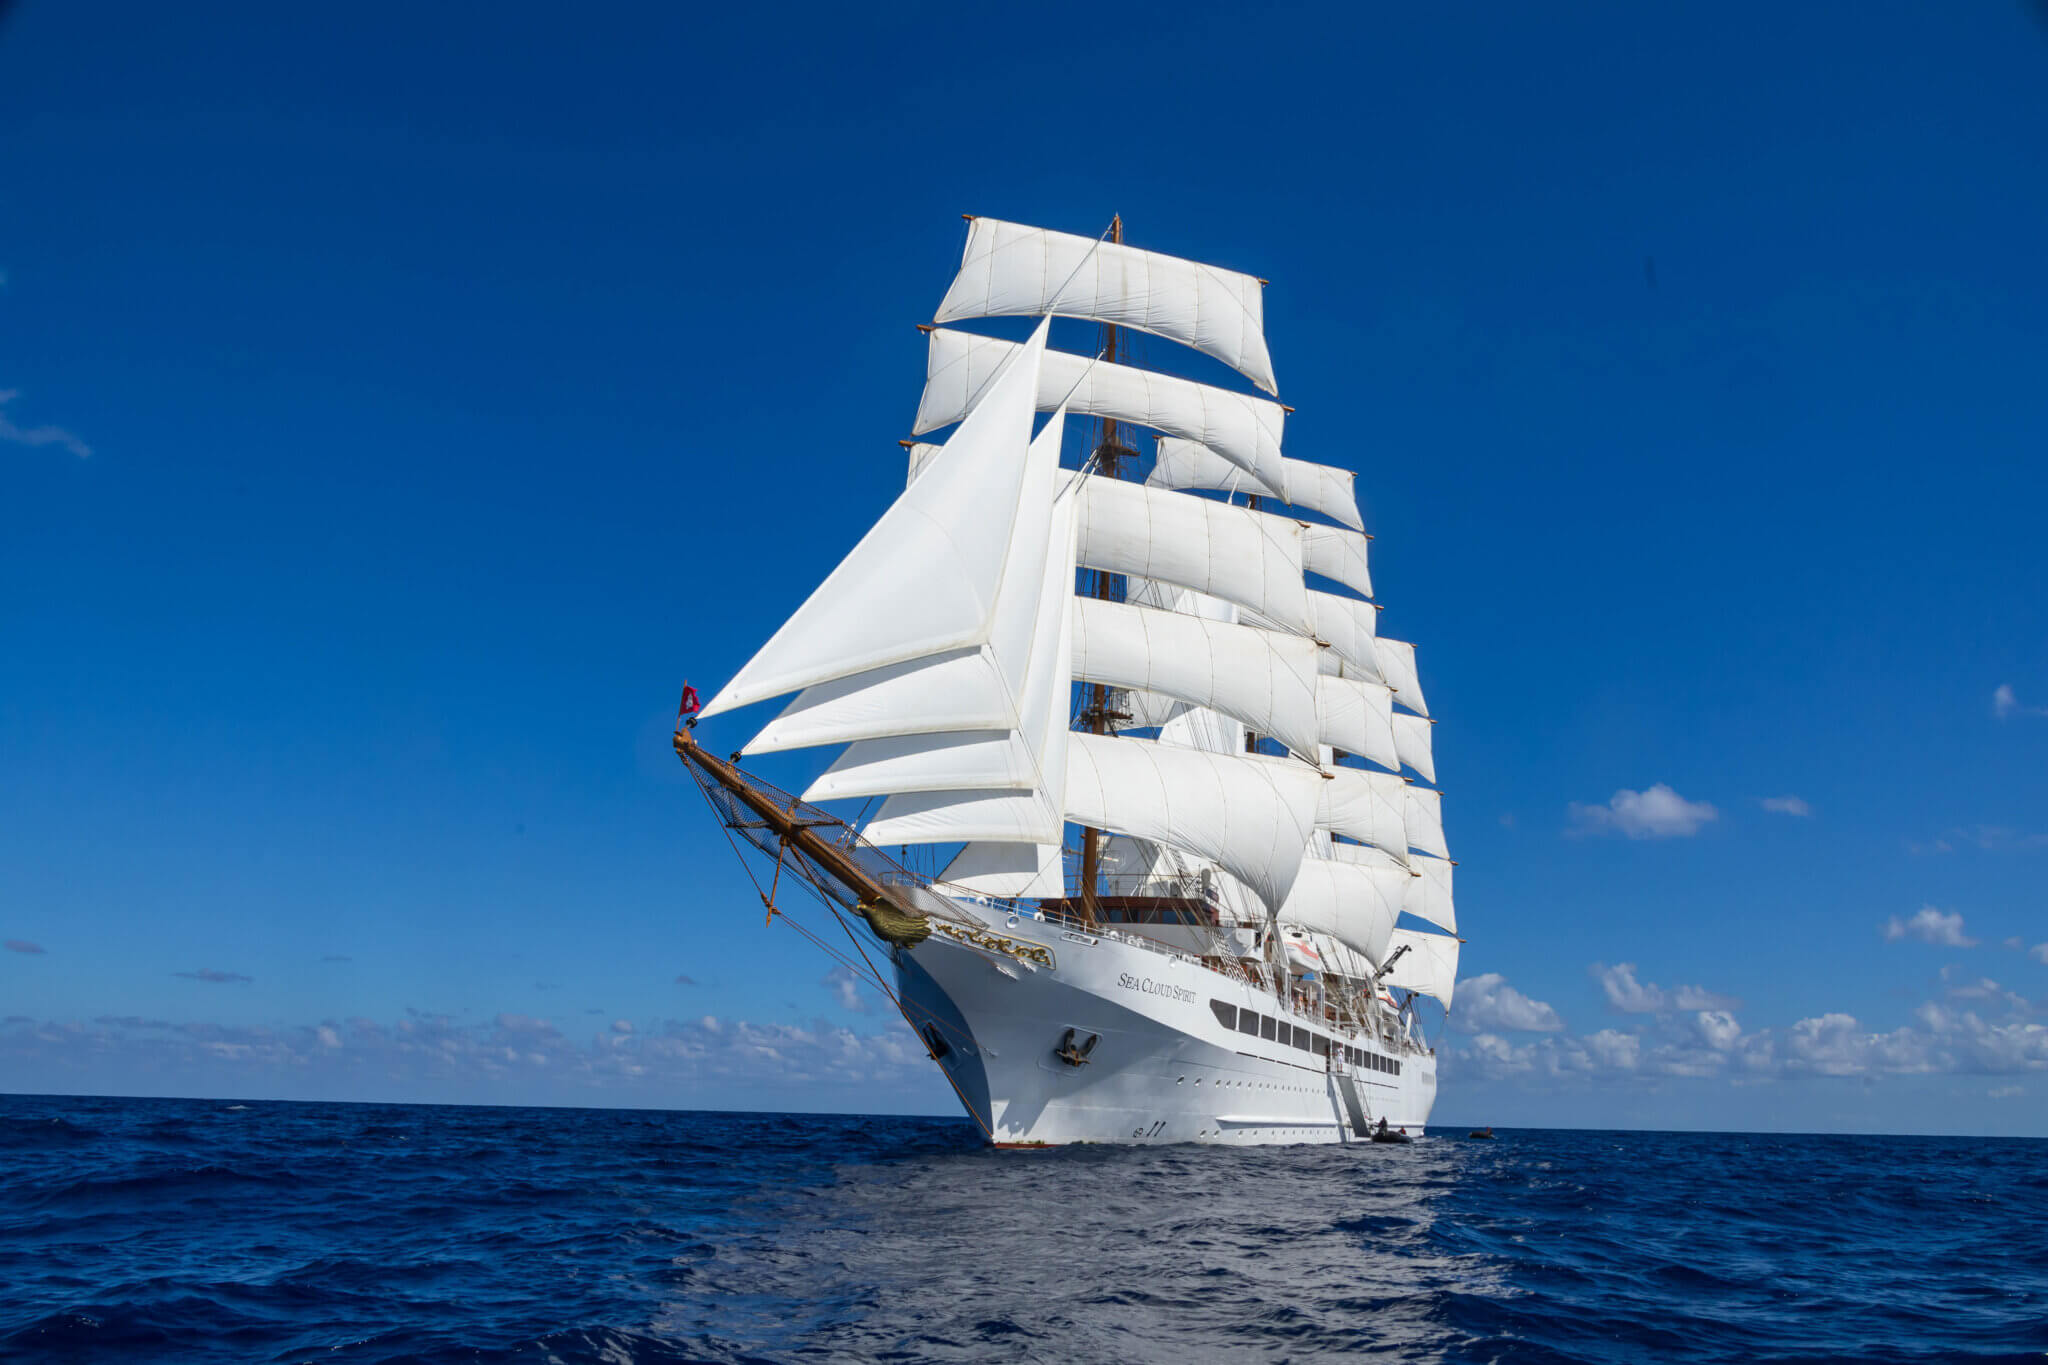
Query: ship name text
<point x="1145" y="985"/>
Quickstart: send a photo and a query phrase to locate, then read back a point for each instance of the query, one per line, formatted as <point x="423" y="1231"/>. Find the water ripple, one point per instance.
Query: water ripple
<point x="191" y="1231"/>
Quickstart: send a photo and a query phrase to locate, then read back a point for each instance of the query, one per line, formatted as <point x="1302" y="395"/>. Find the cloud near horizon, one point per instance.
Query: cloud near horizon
<point x="1659" y="813"/>
<point x="425" y="1052"/>
<point x="1941" y="1039"/>
<point x="1488" y="1004"/>
<point x="1624" y="993"/>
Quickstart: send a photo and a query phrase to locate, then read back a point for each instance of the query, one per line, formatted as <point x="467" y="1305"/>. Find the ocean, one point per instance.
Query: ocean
<point x="210" y="1230"/>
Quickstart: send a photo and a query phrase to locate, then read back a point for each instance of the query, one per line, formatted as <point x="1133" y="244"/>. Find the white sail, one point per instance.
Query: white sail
<point x="1009" y="269"/>
<point x="1228" y="552"/>
<point x="1242" y="429"/>
<point x="1429" y="892"/>
<point x="958" y="690"/>
<point x="1338" y="554"/>
<point x="1319" y="488"/>
<point x="920" y="453"/>
<point x="1263" y="678"/>
<point x="1007" y="870"/>
<point x="1423" y="813"/>
<point x="1369" y="807"/>
<point x="1348" y="627"/>
<point x="979" y="689"/>
<point x="1397" y="669"/>
<point x="1429" y="967"/>
<point x="950" y="817"/>
<point x="1352" y="903"/>
<point x="1412" y="742"/>
<point x="1250" y="815"/>
<point x="992" y="759"/>
<point x="941" y="585"/>
<point x="1365" y="855"/>
<point x="992" y="814"/>
<point x="1357" y="717"/>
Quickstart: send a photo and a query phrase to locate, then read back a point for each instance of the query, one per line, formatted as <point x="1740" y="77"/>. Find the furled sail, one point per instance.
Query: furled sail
<point x="1211" y="547"/>
<point x="1358" y="718"/>
<point x="1242" y="429"/>
<point x="1319" y="488"/>
<point x="941" y="584"/>
<point x="1429" y="967"/>
<point x="1397" y="670"/>
<point x="1369" y="807"/>
<point x="1412" y="742"/>
<point x="1009" y="269"/>
<point x="1355" y="904"/>
<point x="1263" y="678"/>
<point x="1251" y="815"/>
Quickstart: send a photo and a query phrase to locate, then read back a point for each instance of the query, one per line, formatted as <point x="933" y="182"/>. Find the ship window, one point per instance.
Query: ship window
<point x="1395" y="1067"/>
<point x="1322" y="1046"/>
<point x="1226" y="1015"/>
<point x="1248" y="1022"/>
<point x="1267" y="1026"/>
<point x="1301" y="1042"/>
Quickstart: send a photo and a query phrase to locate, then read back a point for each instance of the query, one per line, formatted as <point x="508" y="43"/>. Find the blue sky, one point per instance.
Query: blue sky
<point x="398" y="409"/>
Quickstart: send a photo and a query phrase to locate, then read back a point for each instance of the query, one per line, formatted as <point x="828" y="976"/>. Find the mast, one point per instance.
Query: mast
<point x="1109" y="452"/>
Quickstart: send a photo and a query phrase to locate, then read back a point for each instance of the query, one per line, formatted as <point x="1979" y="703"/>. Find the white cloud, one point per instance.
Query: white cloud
<point x="846" y="989"/>
<point x="1930" y="925"/>
<point x="2006" y="1092"/>
<point x="2039" y="952"/>
<point x="1717" y="1029"/>
<point x="1659" y="813"/>
<point x="1631" y="996"/>
<point x="1488" y="1003"/>
<point x="2004" y="704"/>
<point x="508" y="1055"/>
<point x="622" y="1026"/>
<point x="1786" y="805"/>
<point x="38" y="436"/>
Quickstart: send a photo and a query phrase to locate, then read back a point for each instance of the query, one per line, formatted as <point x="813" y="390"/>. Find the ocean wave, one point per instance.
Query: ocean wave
<point x="166" y="1230"/>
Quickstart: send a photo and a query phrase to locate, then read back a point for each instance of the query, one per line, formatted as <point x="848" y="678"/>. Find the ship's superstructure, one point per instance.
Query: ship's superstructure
<point x="1147" y="728"/>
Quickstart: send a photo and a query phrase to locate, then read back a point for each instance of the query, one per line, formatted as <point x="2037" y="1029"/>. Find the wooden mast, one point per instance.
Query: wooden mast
<point x="1108" y="464"/>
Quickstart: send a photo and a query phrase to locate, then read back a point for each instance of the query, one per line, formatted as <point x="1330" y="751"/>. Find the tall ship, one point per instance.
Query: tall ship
<point x="1127" y="811"/>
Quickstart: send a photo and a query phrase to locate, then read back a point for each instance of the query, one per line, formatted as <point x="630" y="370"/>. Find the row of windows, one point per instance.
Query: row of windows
<point x="1256" y="1025"/>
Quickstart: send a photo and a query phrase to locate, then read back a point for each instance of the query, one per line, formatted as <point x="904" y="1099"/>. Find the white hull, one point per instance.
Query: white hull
<point x="996" y="1003"/>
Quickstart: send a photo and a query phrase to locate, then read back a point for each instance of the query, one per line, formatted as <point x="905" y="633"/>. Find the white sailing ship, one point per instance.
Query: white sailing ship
<point x="1136" y="712"/>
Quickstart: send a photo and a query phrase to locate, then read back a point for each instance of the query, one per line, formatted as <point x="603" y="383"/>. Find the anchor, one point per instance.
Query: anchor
<point x="1072" y="1055"/>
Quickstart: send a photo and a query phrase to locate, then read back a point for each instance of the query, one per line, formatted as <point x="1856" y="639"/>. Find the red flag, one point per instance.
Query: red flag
<point x="690" y="703"/>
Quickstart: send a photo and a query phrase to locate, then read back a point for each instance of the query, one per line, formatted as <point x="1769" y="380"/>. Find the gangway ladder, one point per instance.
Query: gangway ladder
<point x="1355" y="1109"/>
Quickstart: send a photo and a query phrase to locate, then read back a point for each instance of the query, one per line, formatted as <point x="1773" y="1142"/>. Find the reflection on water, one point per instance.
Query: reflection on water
<point x="183" y="1230"/>
<point x="1099" y="1253"/>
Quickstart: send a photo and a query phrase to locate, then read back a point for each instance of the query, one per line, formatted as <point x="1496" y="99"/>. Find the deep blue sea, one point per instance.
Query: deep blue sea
<point x="202" y="1230"/>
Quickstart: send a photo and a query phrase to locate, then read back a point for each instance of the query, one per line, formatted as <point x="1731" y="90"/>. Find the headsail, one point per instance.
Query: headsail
<point x="943" y="583"/>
